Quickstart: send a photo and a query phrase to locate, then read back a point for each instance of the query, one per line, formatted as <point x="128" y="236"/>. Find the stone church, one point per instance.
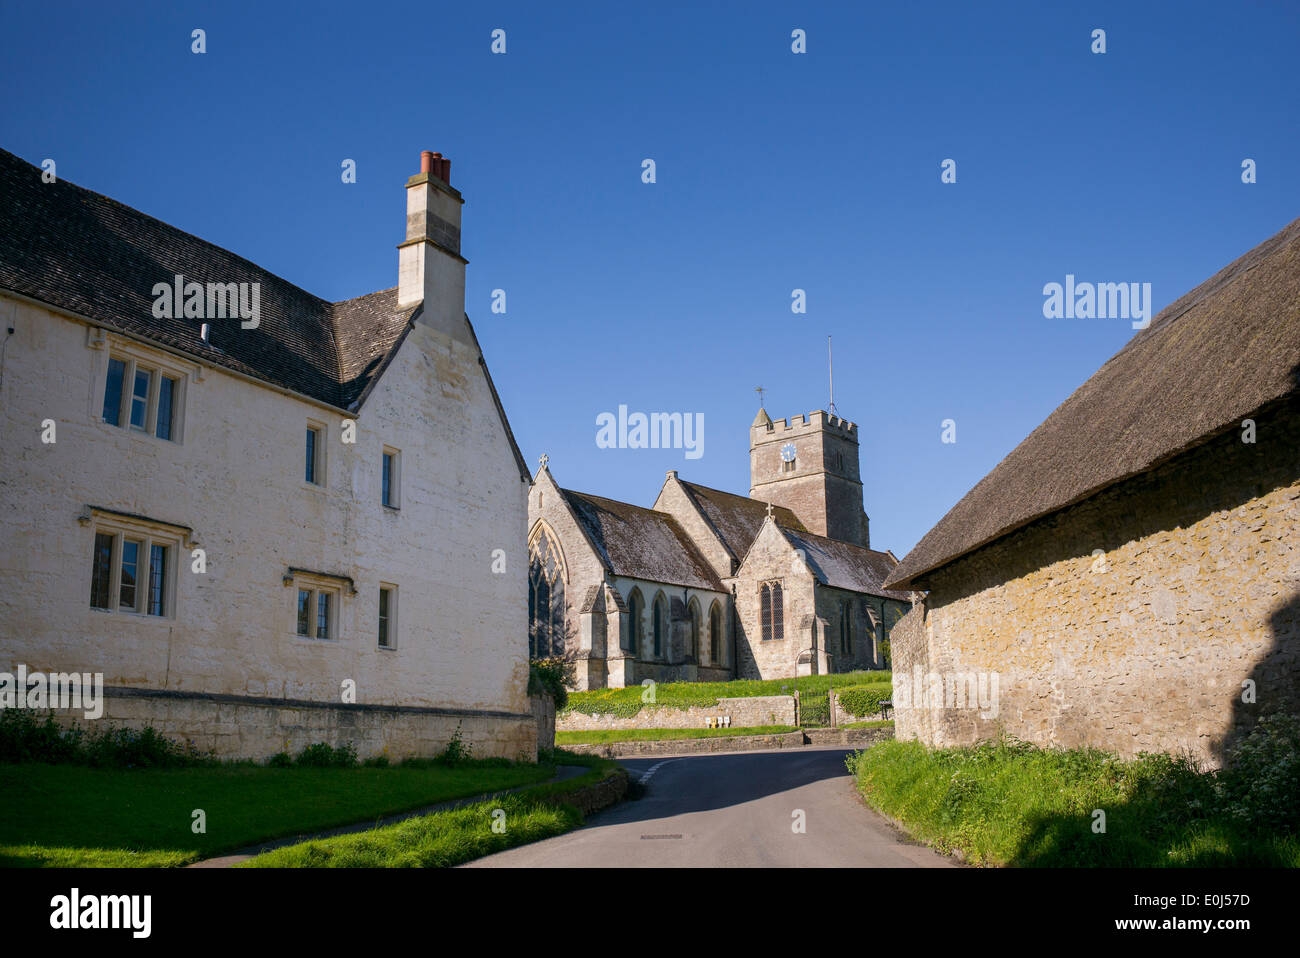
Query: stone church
<point x="264" y="527"/>
<point x="709" y="585"/>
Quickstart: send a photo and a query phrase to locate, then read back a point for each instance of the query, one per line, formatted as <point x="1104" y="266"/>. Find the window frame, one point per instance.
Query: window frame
<point x="661" y="633"/>
<point x="147" y="537"/>
<point x="635" y="609"/>
<point x="772" y="611"/>
<point x="391" y="616"/>
<point x="321" y="432"/>
<point x="394" y="499"/>
<point x="315" y="587"/>
<point x="135" y="362"/>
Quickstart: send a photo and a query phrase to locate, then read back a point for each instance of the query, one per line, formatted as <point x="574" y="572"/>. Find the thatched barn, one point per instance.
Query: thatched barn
<point x="1129" y="576"/>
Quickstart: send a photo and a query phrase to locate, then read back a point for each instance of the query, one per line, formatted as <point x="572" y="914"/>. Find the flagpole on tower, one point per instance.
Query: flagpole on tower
<point x="830" y="369"/>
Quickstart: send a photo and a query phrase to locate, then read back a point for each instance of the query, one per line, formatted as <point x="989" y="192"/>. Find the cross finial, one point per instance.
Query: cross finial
<point x="760" y="390"/>
<point x="769" y="510"/>
<point x="544" y="459"/>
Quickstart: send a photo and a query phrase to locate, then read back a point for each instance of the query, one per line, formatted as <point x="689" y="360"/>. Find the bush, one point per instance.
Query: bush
<point x="25" y="738"/>
<point x="321" y="755"/>
<point x="863" y="700"/>
<point x="552" y="677"/>
<point x="1261" y="781"/>
<point x="280" y="760"/>
<point x="457" y="750"/>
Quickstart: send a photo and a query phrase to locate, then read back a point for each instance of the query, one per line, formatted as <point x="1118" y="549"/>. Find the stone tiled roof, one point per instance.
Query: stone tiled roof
<point x="641" y="543"/>
<point x="85" y="253"/>
<point x="1222" y="352"/>
<point x="736" y="519"/>
<point x="843" y="565"/>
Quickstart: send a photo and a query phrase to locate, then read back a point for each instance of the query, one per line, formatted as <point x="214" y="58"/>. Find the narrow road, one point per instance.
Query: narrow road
<point x="733" y="810"/>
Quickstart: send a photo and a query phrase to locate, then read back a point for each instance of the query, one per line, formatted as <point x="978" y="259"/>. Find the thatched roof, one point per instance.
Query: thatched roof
<point x="844" y="565"/>
<point x="641" y="543"/>
<point x="1220" y="353"/>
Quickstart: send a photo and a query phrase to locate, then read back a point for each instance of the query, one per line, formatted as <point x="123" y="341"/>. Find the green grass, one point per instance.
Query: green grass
<point x="874" y="723"/>
<point x="659" y="734"/>
<point x="72" y="815"/>
<point x="448" y="838"/>
<point x="626" y="702"/>
<point x="1013" y="804"/>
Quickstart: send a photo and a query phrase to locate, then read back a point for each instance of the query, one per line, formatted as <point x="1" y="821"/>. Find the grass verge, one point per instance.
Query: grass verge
<point x="1009" y="803"/>
<point x="447" y="838"/>
<point x="605" y="736"/>
<point x="626" y="702"/>
<point x="77" y="816"/>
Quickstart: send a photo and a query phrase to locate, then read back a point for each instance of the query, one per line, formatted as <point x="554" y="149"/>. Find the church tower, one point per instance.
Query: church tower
<point x="810" y="465"/>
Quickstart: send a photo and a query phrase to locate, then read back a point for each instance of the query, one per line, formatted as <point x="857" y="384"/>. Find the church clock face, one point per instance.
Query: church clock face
<point x="787" y="452"/>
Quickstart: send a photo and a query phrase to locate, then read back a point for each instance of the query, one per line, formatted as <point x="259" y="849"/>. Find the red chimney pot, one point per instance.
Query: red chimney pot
<point x="426" y="161"/>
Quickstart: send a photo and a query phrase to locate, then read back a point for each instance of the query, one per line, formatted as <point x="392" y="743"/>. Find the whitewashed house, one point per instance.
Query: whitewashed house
<point x="303" y="522"/>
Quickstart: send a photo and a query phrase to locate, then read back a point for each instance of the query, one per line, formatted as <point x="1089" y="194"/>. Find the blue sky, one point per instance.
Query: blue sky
<point x="775" y="171"/>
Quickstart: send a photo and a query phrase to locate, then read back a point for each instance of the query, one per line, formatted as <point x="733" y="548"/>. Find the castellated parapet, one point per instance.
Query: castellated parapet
<point x="810" y="465"/>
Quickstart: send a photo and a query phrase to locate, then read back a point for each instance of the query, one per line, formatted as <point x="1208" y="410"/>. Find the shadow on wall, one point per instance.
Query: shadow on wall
<point x="1143" y="831"/>
<point x="1135" y="508"/>
<point x="1274" y="682"/>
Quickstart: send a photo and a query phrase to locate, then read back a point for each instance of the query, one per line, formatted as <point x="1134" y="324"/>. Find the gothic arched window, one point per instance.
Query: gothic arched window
<point x="660" y="625"/>
<point x="635" y="608"/>
<point x="715" y="635"/>
<point x="546" y="606"/>
<point x="846" y="627"/>
<point x="694" y="651"/>
<point x="772" y="614"/>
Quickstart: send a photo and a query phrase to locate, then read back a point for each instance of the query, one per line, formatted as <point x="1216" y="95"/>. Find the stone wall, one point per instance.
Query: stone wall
<point x="544" y="715"/>
<point x="772" y="559"/>
<point x="1130" y="621"/>
<point x="721" y="743"/>
<point x="230" y="727"/>
<point x="744" y="713"/>
<point x="848" y="737"/>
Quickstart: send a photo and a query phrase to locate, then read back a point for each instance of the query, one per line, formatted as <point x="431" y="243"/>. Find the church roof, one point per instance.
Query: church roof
<point x="843" y="565"/>
<point x="641" y="543"/>
<point x="736" y="519"/>
<point x="1219" y="354"/>
<point x="92" y="256"/>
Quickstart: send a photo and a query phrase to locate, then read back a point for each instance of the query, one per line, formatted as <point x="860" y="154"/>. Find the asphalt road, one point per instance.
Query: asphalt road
<point x="732" y="810"/>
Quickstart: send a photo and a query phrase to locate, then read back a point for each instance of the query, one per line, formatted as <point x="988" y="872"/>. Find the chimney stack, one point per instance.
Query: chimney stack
<point x="429" y="265"/>
<point x="437" y="165"/>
